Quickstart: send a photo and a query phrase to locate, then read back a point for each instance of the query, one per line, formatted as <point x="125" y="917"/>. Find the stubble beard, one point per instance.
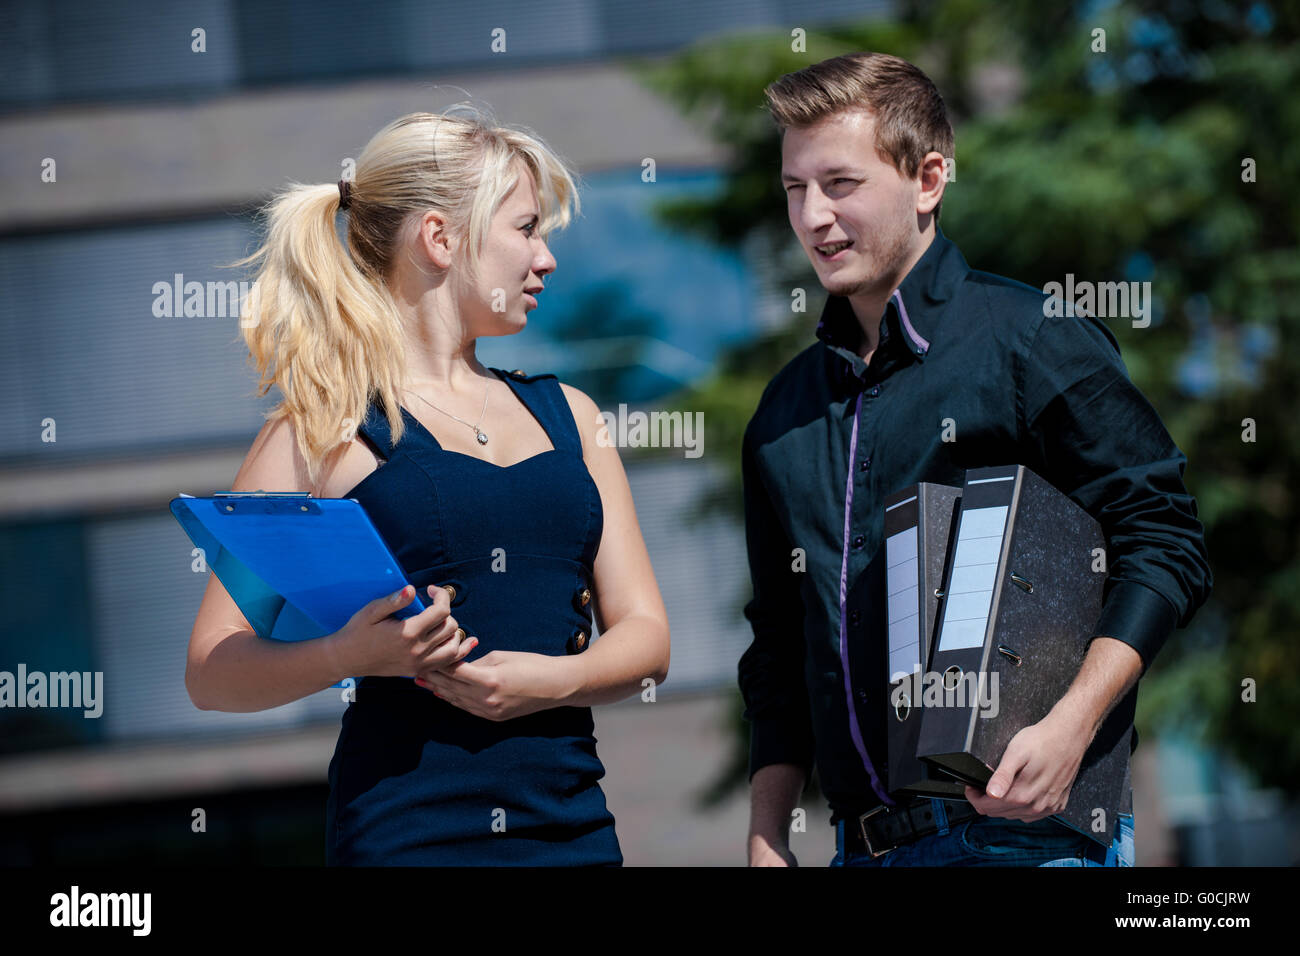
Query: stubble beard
<point x="885" y="262"/>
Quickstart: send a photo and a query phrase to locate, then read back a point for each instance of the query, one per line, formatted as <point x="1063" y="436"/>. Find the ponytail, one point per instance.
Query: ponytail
<point x="319" y="328"/>
<point x="320" y="321"/>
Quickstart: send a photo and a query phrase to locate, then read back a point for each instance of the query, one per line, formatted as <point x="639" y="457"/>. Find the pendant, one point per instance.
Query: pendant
<point x="482" y="439"/>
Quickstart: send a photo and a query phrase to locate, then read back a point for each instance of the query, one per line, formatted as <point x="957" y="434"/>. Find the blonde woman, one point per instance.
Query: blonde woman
<point x="508" y="510"/>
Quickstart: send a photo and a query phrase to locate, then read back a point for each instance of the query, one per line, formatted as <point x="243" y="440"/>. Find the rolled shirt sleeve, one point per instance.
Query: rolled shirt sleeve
<point x="771" y="671"/>
<point x="1097" y="438"/>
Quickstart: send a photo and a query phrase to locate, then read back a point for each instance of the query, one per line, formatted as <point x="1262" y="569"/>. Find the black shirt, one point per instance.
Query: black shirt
<point x="970" y="371"/>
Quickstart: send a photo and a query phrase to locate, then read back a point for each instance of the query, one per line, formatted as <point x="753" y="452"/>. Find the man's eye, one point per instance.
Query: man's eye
<point x="793" y="186"/>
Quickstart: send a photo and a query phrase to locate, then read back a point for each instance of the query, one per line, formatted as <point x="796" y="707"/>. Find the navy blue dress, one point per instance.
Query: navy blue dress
<point x="416" y="781"/>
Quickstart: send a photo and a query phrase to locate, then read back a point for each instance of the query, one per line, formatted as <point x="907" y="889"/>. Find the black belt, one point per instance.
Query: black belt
<point x="886" y="828"/>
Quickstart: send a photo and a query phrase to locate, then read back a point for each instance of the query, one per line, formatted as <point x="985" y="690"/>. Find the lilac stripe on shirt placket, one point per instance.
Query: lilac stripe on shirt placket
<point x="907" y="324"/>
<point x="854" y="730"/>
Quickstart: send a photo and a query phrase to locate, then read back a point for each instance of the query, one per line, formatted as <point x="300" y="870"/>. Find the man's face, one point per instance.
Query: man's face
<point x="839" y="190"/>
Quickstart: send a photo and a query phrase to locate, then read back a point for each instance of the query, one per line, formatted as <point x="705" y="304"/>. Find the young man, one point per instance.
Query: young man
<point x="923" y="369"/>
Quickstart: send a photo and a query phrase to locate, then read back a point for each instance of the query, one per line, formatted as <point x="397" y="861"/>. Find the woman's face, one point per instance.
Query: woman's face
<point x="514" y="260"/>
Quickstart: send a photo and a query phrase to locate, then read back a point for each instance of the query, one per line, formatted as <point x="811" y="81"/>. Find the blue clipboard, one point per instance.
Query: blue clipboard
<point x="297" y="566"/>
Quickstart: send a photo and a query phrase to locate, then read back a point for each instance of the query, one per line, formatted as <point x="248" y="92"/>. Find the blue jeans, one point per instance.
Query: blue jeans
<point x="998" y="841"/>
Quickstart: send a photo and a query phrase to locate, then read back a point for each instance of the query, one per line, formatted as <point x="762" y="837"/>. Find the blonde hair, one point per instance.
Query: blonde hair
<point x="911" y="119"/>
<point x="320" y="321"/>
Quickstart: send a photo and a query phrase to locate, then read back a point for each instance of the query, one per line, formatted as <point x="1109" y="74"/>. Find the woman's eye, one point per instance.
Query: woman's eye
<point x="530" y="227"/>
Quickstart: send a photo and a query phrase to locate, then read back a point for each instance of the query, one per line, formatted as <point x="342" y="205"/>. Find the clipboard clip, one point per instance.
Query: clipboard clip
<point x="261" y="494"/>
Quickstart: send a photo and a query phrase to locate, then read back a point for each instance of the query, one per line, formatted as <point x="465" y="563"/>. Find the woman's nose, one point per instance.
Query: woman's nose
<point x="545" y="262"/>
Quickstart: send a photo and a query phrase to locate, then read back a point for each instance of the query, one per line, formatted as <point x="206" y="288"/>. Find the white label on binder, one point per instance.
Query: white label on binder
<point x="902" y="585"/>
<point x="974" y="575"/>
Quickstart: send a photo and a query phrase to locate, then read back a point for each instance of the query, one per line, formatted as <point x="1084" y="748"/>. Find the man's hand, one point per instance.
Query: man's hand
<point x="766" y="852"/>
<point x="503" y="684"/>
<point x="1034" y="777"/>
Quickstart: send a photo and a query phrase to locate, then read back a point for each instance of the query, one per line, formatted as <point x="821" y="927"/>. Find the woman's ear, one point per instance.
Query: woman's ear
<point x="436" y="241"/>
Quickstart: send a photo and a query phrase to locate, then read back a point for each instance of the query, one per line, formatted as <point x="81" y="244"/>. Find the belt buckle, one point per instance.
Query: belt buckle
<point x="866" y="838"/>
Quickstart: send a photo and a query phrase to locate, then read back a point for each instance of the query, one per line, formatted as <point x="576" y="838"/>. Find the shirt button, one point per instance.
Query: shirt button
<point x="875" y="390"/>
<point x="864" y="464"/>
<point x="450" y="590"/>
<point x="855" y="617"/>
<point x="859" y="541"/>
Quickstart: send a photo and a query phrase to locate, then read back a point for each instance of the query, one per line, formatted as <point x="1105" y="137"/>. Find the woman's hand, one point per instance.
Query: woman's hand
<point x="503" y="684"/>
<point x="375" y="643"/>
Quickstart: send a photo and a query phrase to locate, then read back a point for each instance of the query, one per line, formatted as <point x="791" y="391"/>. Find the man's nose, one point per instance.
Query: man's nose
<point x="817" y="210"/>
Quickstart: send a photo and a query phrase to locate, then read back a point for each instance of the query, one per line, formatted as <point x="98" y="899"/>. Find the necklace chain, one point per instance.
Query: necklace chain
<point x="478" y="432"/>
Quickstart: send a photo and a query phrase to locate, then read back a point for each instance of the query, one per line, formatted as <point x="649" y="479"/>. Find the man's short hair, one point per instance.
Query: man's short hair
<point x="911" y="119"/>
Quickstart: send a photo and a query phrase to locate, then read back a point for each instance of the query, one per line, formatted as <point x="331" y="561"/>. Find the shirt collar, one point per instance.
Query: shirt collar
<point x="913" y="311"/>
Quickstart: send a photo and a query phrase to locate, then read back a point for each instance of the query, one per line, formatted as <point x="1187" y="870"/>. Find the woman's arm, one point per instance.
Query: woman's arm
<point x="628" y="608"/>
<point x="229" y="667"/>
